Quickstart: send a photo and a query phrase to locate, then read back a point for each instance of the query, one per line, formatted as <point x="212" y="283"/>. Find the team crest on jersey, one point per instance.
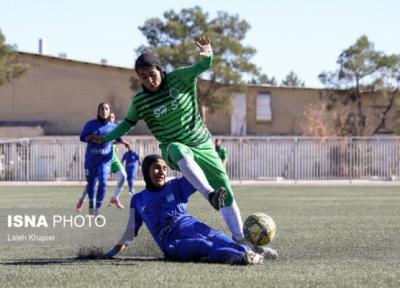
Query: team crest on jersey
<point x="174" y="93"/>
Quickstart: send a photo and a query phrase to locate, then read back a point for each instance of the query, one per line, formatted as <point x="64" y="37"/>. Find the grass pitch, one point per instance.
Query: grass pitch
<point x="347" y="236"/>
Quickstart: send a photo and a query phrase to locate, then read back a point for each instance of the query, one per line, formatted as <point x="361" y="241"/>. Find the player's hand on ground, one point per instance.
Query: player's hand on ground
<point x="95" y="139"/>
<point x="204" y="43"/>
<point x="217" y="198"/>
<point x="115" y="250"/>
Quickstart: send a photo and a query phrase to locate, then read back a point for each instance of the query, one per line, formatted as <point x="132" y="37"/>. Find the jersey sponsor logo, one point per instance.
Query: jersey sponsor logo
<point x="163" y="109"/>
<point x="160" y="110"/>
<point x="168" y="224"/>
<point x="174" y="104"/>
<point x="100" y="151"/>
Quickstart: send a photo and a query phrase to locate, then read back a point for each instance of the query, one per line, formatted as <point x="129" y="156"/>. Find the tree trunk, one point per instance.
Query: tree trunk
<point x="360" y="116"/>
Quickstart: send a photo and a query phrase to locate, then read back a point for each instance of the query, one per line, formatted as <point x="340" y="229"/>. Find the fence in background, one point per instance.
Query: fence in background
<point x="250" y="158"/>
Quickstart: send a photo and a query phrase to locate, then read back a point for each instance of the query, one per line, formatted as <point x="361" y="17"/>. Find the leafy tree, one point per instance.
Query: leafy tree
<point x="10" y="69"/>
<point x="292" y="80"/>
<point x="172" y="38"/>
<point x="323" y="122"/>
<point x="263" y="79"/>
<point x="366" y="83"/>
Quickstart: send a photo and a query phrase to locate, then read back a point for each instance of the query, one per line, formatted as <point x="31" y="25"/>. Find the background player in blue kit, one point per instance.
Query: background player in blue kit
<point x="98" y="157"/>
<point x="132" y="163"/>
<point x="180" y="236"/>
<point x="116" y="168"/>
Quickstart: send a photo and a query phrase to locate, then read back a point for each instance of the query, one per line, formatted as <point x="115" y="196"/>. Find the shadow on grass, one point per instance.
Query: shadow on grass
<point x="77" y="260"/>
<point x="126" y="261"/>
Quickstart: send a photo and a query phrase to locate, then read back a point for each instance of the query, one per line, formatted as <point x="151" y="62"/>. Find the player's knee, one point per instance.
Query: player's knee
<point x="102" y="183"/>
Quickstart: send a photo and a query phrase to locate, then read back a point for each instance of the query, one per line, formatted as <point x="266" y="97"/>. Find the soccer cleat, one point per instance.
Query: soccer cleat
<point x="91" y="211"/>
<point x="267" y="252"/>
<point x="252" y="258"/>
<point x="217" y="198"/>
<point x="117" y="203"/>
<point x="115" y="250"/>
<point x="79" y="205"/>
<point x="97" y="212"/>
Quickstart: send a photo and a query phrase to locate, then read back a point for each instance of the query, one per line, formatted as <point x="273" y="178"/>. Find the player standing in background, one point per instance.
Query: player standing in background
<point x="221" y="151"/>
<point x="168" y="105"/>
<point x="132" y="163"/>
<point x="116" y="168"/>
<point x="180" y="236"/>
<point x="98" y="157"/>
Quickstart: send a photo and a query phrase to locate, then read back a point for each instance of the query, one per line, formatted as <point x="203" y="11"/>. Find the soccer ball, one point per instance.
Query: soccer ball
<point x="259" y="229"/>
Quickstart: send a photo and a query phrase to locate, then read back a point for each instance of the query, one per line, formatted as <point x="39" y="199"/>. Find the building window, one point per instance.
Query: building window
<point x="264" y="107"/>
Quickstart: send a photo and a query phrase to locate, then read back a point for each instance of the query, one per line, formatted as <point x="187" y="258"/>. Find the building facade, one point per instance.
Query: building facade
<point x="57" y="96"/>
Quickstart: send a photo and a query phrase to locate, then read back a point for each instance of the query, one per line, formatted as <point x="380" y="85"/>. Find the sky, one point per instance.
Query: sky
<point x="304" y="36"/>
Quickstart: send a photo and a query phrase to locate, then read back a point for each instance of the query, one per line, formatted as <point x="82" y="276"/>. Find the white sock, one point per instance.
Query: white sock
<point x="233" y="220"/>
<point x="195" y="175"/>
<point x="121" y="175"/>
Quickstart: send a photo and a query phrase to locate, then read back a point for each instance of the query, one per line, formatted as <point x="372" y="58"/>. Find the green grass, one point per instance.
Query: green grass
<point x="345" y="236"/>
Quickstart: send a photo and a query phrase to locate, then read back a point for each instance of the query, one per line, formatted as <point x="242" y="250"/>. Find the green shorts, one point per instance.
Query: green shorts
<point x="116" y="164"/>
<point x="208" y="160"/>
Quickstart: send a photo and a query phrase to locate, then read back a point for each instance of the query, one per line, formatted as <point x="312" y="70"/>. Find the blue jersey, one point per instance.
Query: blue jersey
<point x="97" y="154"/>
<point x="132" y="161"/>
<point x="164" y="212"/>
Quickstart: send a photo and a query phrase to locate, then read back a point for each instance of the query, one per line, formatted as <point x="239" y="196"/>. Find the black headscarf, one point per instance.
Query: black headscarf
<point x="147" y="60"/>
<point x="103" y="121"/>
<point x="146" y="163"/>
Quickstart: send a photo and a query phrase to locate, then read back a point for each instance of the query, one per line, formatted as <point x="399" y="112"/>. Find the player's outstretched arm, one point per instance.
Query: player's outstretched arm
<point x="132" y="228"/>
<point x="126" y="144"/>
<point x="204" y="43"/>
<point x="188" y="74"/>
<point x="95" y="139"/>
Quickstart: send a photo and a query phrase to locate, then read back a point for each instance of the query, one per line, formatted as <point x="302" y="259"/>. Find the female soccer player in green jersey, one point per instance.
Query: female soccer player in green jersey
<point x="168" y="105"/>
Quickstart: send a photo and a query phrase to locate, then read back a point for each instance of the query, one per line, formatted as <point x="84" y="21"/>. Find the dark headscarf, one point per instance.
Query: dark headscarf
<point x="147" y="161"/>
<point x="147" y="60"/>
<point x="98" y="113"/>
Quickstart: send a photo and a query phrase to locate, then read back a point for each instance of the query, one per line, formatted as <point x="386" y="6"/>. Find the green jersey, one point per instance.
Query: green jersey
<point x="171" y="113"/>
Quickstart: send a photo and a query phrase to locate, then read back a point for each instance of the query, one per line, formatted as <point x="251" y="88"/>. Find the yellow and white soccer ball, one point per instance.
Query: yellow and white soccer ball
<point x="259" y="229"/>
